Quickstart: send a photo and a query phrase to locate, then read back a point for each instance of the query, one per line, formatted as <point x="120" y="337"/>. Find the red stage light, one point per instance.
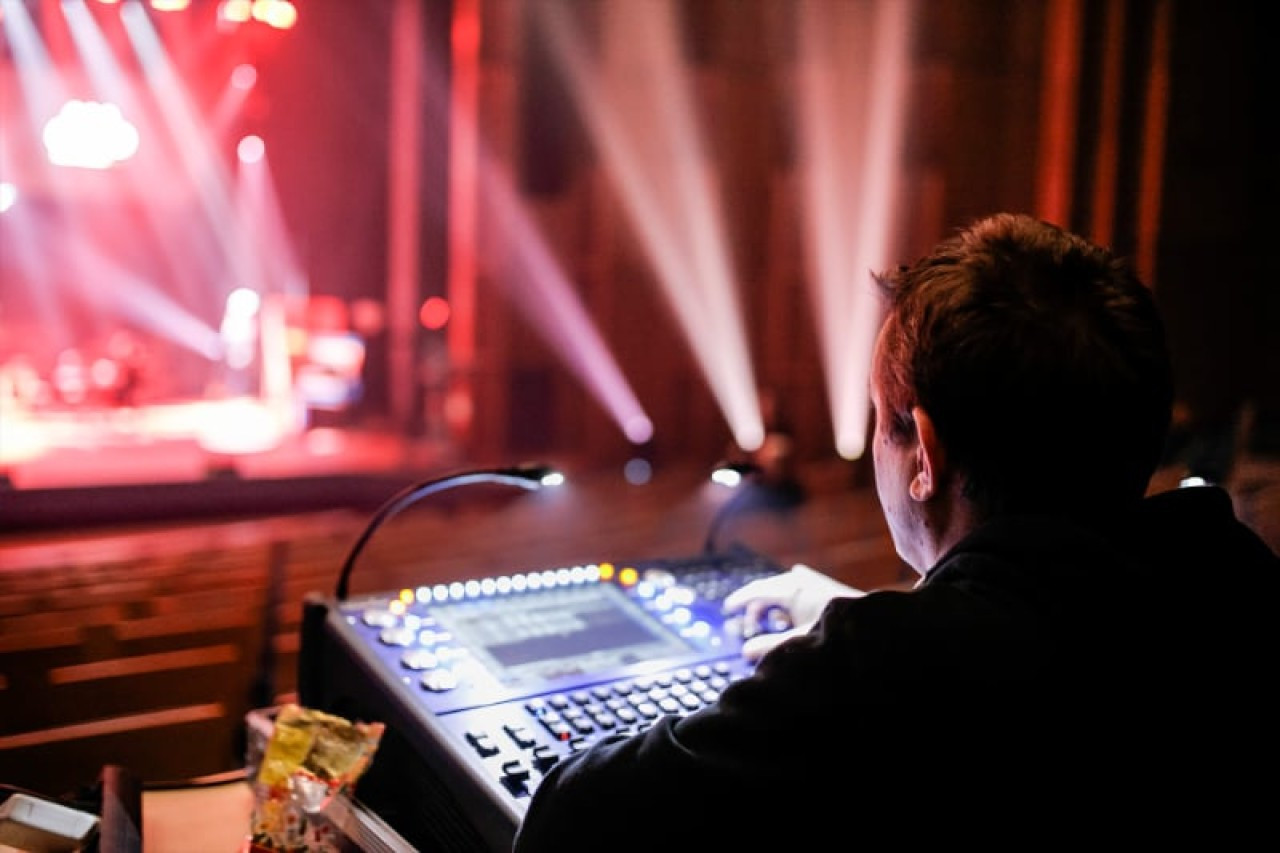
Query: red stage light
<point x="244" y="76"/>
<point x="281" y="14"/>
<point x="434" y="313"/>
<point x="251" y="149"/>
<point x="235" y="11"/>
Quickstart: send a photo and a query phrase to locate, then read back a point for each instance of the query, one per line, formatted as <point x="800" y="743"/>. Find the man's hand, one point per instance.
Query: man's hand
<point x="779" y="607"/>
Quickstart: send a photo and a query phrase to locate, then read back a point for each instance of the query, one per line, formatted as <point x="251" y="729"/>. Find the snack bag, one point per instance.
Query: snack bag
<point x="309" y="758"/>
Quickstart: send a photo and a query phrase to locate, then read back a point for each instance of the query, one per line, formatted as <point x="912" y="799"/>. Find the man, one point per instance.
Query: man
<point x="1078" y="663"/>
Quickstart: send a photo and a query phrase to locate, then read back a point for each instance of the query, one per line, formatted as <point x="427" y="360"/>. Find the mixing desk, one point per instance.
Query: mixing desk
<point x="485" y="684"/>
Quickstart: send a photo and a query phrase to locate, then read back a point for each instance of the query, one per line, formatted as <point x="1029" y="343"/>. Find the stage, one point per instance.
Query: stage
<point x="195" y="459"/>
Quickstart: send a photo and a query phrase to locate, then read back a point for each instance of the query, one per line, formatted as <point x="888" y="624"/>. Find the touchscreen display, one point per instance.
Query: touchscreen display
<point x="558" y="632"/>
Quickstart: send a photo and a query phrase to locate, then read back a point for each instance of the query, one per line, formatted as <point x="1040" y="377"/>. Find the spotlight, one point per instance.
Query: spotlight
<point x="638" y="471"/>
<point x="731" y="474"/>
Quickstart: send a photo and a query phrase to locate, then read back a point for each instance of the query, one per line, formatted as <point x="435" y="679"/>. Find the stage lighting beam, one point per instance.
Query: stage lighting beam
<point x="666" y="185"/>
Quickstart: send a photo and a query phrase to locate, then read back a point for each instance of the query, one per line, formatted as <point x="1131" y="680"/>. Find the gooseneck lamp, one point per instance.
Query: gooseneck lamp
<point x="530" y="477"/>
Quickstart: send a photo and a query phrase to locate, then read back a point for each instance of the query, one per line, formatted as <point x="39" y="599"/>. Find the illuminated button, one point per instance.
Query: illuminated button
<point x="439" y="680"/>
<point x="457" y="590"/>
<point x="659" y="577"/>
<point x="419" y="659"/>
<point x="380" y="618"/>
<point x="560" y="730"/>
<point x="503" y="585"/>
<point x="471" y="588"/>
<point x="696" y="631"/>
<point x="682" y="595"/>
<point x="423" y="594"/>
<point x="606" y="571"/>
<point x="488" y="586"/>
<point x="398" y="636"/>
<point x="679" y="616"/>
<point x="440" y="592"/>
<point x="564" y="577"/>
<point x="452" y="653"/>
<point x="628" y="577"/>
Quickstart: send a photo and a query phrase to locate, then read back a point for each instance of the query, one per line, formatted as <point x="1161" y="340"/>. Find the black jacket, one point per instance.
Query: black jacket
<point x="1047" y="683"/>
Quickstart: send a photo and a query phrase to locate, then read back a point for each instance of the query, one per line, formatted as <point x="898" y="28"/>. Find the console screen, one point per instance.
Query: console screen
<point x="558" y="632"/>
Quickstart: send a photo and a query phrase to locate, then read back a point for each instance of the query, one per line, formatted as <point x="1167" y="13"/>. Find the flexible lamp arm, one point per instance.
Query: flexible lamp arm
<point x="531" y="477"/>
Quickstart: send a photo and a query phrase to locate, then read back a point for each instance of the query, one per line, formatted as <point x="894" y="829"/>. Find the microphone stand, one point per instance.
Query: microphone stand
<point x="530" y="477"/>
<point x="740" y="476"/>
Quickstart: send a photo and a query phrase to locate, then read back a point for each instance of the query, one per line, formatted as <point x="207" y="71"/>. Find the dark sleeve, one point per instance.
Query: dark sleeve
<point x="774" y="736"/>
<point x="588" y="799"/>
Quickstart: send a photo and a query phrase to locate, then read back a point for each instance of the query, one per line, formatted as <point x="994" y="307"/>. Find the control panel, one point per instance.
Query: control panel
<point x="486" y="684"/>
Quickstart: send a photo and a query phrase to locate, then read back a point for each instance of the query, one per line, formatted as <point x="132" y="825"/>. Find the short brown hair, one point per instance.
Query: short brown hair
<point x="1041" y="359"/>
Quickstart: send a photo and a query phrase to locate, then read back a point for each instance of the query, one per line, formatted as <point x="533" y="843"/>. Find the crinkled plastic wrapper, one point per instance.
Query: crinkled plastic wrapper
<point x="309" y="759"/>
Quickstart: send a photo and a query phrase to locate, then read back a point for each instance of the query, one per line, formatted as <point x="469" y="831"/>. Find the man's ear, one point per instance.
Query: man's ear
<point x="930" y="458"/>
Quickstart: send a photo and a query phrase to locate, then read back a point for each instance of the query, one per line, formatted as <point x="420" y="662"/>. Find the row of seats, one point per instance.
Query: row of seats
<point x="147" y="650"/>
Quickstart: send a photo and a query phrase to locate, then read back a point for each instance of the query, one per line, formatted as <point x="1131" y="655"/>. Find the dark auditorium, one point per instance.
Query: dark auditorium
<point x="504" y="426"/>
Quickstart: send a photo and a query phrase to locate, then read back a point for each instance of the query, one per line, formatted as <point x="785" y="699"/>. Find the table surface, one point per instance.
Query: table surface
<point x="213" y="819"/>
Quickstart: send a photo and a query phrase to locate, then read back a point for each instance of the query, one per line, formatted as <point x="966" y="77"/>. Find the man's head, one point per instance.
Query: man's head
<point x="1020" y="369"/>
